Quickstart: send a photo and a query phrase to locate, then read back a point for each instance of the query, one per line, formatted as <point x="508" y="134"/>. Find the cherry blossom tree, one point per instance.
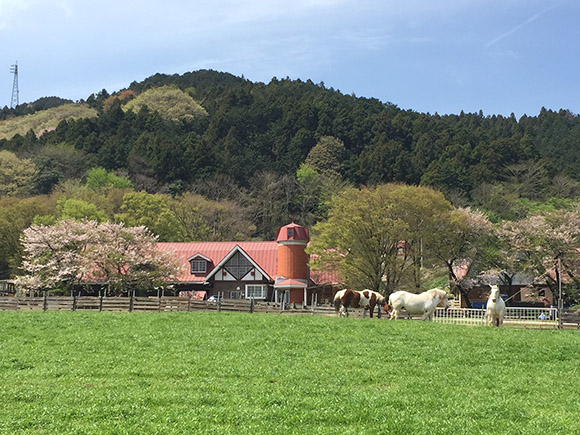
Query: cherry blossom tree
<point x="127" y="258"/>
<point x="547" y="244"/>
<point x="55" y="255"/>
<point x="71" y="253"/>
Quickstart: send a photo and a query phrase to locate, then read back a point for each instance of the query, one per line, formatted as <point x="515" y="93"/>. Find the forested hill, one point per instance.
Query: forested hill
<point x="222" y="124"/>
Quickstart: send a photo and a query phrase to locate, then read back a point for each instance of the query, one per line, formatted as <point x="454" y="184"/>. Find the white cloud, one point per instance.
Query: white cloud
<point x="9" y="9"/>
<point x="518" y="27"/>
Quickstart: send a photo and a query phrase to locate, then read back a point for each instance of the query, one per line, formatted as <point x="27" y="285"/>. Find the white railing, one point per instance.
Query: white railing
<point x="527" y="317"/>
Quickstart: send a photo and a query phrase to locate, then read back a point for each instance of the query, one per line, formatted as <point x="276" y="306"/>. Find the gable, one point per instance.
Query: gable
<point x="237" y="263"/>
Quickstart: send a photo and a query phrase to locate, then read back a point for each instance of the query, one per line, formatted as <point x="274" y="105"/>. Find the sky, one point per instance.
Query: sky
<point x="433" y="56"/>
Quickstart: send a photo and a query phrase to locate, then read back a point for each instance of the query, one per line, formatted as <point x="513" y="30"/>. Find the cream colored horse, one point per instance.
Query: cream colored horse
<point x="495" y="311"/>
<point x="422" y="303"/>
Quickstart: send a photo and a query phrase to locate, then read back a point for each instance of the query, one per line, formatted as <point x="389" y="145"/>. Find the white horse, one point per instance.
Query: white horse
<point x="495" y="311"/>
<point x="423" y="303"/>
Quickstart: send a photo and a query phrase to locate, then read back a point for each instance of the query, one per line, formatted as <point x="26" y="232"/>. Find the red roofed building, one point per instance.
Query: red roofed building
<point x="259" y="270"/>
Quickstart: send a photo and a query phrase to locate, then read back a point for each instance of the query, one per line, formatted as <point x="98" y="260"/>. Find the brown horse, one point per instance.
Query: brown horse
<point x="376" y="300"/>
<point x="366" y="299"/>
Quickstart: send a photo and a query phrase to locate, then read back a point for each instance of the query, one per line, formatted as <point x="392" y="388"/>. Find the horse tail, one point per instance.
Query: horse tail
<point x="337" y="302"/>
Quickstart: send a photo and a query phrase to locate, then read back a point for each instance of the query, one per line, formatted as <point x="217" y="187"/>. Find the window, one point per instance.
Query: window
<point x="256" y="291"/>
<point x="290" y="233"/>
<point x="198" y="266"/>
<point x="238" y="266"/>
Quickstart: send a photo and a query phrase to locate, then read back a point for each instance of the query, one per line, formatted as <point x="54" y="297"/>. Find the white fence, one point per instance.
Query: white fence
<point x="515" y="316"/>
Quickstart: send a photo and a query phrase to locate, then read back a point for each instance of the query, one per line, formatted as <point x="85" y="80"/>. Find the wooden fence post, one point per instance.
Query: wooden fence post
<point x="252" y="305"/>
<point x="283" y="301"/>
<point x="44" y="302"/>
<point x="100" y="302"/>
<point x="131" y="300"/>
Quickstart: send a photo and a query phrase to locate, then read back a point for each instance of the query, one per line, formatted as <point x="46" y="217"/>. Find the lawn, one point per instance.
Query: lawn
<point x="266" y="373"/>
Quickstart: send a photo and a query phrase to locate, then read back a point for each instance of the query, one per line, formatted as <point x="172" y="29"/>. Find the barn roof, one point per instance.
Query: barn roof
<point x="263" y="254"/>
<point x="321" y="277"/>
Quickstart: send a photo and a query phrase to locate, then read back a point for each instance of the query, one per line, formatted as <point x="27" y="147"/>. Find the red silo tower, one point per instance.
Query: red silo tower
<point x="292" y="265"/>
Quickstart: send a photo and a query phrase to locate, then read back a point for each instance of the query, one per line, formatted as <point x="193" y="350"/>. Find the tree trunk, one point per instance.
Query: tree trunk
<point x="464" y="294"/>
<point x="454" y="284"/>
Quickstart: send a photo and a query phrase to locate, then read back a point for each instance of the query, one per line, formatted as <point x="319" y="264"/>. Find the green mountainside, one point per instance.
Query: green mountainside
<point x="207" y="155"/>
<point x="44" y="120"/>
<point x="217" y="134"/>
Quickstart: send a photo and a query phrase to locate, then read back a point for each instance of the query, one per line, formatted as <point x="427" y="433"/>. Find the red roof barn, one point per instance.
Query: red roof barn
<point x="259" y="270"/>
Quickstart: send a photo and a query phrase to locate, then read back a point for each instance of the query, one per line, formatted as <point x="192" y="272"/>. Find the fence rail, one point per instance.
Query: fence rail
<point x="154" y="304"/>
<point x="514" y="316"/>
<point x="542" y="318"/>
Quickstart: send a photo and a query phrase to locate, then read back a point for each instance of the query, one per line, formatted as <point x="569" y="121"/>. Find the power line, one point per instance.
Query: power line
<point x="14" y="101"/>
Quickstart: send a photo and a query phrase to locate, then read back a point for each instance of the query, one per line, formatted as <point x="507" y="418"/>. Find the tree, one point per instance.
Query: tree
<point x="55" y="256"/>
<point x="63" y="159"/>
<point x="326" y="156"/>
<point x="527" y="179"/>
<point x="70" y="253"/>
<point x="543" y="242"/>
<point x="78" y="209"/>
<point x="378" y="238"/>
<point x="460" y="238"/>
<point x="127" y="258"/>
<point x="203" y="219"/>
<point x="16" y="175"/>
<point x="269" y="201"/>
<point x="308" y="197"/>
<point x="425" y="211"/>
<point x="169" y="101"/>
<point x="153" y="212"/>
<point x="15" y="216"/>
<point x="361" y="239"/>
<point x="98" y="179"/>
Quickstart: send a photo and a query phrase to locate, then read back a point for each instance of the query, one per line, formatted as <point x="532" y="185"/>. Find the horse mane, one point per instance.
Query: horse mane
<point x="438" y="291"/>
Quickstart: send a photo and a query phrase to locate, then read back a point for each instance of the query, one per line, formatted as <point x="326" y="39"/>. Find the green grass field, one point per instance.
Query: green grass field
<point x="251" y="373"/>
